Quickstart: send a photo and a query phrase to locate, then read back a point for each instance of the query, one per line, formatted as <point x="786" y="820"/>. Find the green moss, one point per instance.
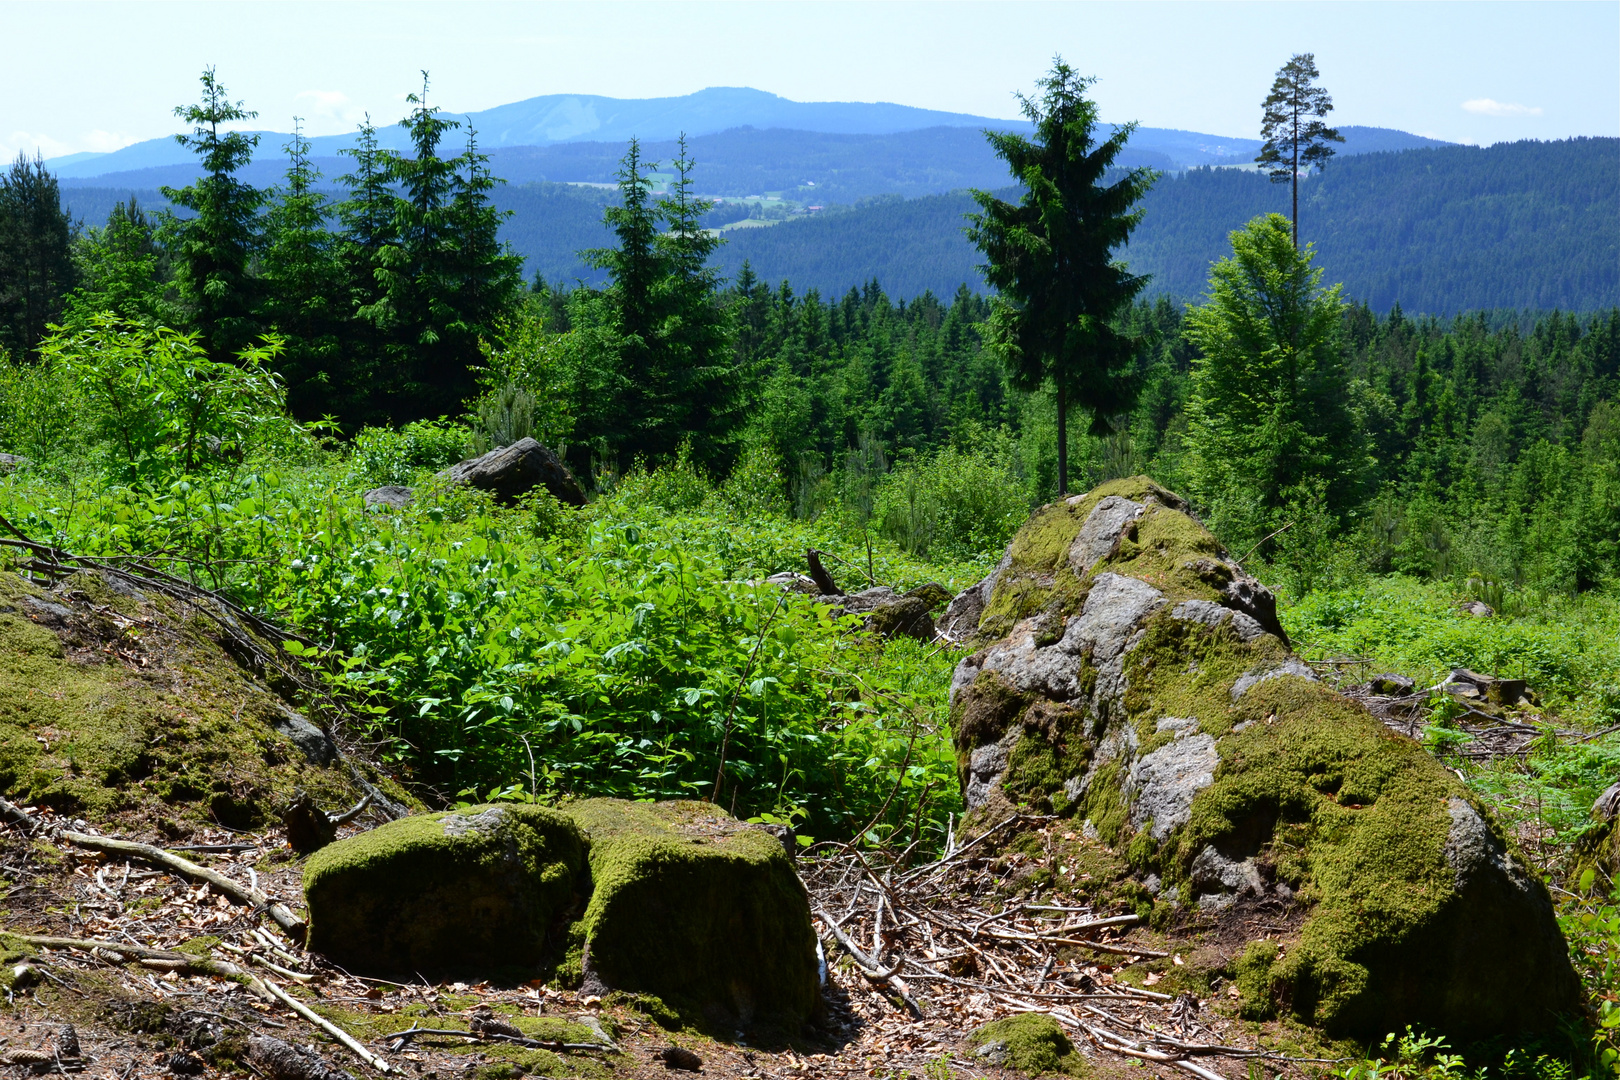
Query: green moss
<point x="1251" y="971"/>
<point x="472" y="890"/>
<point x="153" y="722"/>
<point x="699" y="910"/>
<point x="983" y="713"/>
<point x="1035" y="1045"/>
<point x="1052" y="748"/>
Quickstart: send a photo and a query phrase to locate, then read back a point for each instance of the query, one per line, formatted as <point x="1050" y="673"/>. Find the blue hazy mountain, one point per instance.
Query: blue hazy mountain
<point x="557" y="121"/>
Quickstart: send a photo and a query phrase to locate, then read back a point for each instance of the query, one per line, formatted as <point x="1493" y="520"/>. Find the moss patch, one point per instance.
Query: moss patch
<point x="699" y="910"/>
<point x="128" y="710"/>
<point x="465" y="891"/>
<point x="1032" y="1043"/>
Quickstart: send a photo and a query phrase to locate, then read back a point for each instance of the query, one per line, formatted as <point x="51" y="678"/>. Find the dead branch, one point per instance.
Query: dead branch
<point x="326" y="1025"/>
<point x="290" y="924"/>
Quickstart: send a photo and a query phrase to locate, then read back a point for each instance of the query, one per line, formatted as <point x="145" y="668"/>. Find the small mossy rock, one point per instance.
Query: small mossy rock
<point x="698" y="909"/>
<point x="905" y="617"/>
<point x="461" y="892"/>
<point x="1033" y="1043"/>
<point x="1132" y="674"/>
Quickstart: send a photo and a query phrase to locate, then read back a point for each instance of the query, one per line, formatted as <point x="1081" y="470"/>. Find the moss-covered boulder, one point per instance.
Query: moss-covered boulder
<point x="128" y="707"/>
<point x="1033" y="1043"/>
<point x="700" y="910"/>
<point x="471" y="891"/>
<point x="1131" y="674"/>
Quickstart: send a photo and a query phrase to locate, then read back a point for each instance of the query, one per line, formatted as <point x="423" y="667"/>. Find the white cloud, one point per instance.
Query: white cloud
<point x="333" y="106"/>
<point x="1487" y="107"/>
<point x="27" y="142"/>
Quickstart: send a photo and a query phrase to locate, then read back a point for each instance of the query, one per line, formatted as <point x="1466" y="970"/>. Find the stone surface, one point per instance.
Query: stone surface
<point x="8" y="462"/>
<point x="469" y="892"/>
<point x="510" y="472"/>
<point x="390" y="495"/>
<point x="315" y="744"/>
<point x="698" y="909"/>
<point x="1131" y="674"/>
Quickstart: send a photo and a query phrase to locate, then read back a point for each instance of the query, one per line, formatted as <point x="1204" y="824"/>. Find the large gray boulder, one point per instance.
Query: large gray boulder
<point x="1131" y="674"/>
<point x="510" y="472"/>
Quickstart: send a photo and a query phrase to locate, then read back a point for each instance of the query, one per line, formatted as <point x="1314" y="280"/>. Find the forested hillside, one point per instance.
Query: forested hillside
<point x="1528" y="226"/>
<point x="1522" y="225"/>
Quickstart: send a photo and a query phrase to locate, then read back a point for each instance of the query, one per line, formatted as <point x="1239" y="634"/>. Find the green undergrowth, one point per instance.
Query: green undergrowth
<point x="510" y="652"/>
<point x="1566" y="648"/>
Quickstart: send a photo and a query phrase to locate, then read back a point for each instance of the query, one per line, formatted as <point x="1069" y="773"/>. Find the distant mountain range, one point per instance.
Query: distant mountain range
<point x="1436" y="227"/>
<point x="745" y="141"/>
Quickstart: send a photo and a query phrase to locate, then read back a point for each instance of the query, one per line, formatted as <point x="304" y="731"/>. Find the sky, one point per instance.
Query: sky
<point x="98" y="76"/>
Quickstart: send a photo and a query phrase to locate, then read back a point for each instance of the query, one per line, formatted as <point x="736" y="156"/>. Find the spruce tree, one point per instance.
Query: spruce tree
<point x="1050" y="256"/>
<point x="36" y="264"/>
<point x="122" y="270"/>
<point x="695" y="358"/>
<point x="366" y="217"/>
<point x="488" y="276"/>
<point x="624" y="317"/>
<point x="214" y="248"/>
<point x="302" y="286"/>
<point x="1293" y="138"/>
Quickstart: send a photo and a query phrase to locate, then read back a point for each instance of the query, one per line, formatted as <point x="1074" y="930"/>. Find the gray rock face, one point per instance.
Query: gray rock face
<point x="1291" y="666"/>
<point x="9" y="462"/>
<point x="966" y="610"/>
<point x="1101" y="531"/>
<point x="316" y="745"/>
<point x="1164" y="782"/>
<point x="390" y="495"/>
<point x="510" y="472"/>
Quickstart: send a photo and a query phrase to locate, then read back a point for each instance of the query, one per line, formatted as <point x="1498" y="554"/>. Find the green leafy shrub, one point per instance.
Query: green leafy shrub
<point x="675" y="487"/>
<point x="158" y="405"/>
<point x="959" y="503"/>
<point x="389" y="456"/>
<point x="41" y="412"/>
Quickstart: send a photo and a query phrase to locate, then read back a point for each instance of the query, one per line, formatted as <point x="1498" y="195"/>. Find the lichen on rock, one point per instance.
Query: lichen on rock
<point x="698" y="909"/>
<point x="1130" y="673"/>
<point x="466" y="891"/>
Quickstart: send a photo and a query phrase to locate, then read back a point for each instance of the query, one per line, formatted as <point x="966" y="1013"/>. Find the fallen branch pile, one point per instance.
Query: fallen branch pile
<point x="947" y="936"/>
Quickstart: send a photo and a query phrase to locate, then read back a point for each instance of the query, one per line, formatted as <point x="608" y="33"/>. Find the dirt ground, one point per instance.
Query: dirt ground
<point x="133" y="1017"/>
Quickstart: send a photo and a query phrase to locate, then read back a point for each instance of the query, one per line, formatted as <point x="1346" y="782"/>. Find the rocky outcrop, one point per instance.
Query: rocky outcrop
<point x="1131" y="674"/>
<point x="9" y="462"/>
<point x="510" y="472"/>
<point x="675" y="900"/>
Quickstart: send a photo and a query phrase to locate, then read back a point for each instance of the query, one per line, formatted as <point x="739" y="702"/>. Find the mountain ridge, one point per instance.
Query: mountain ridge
<point x="563" y="119"/>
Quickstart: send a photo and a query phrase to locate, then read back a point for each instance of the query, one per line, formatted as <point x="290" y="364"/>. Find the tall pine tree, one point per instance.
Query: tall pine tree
<point x="302" y="290"/>
<point x="214" y="248"/>
<point x="36" y="264"/>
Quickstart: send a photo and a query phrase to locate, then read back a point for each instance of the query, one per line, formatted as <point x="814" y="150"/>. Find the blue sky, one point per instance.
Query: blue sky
<point x="96" y="76"/>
